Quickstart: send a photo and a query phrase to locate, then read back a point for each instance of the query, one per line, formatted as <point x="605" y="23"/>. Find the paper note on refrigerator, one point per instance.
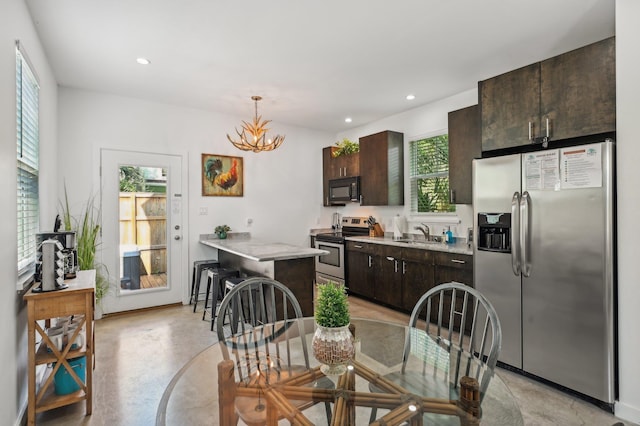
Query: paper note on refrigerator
<point x="581" y="167"/>
<point x="542" y="171"/>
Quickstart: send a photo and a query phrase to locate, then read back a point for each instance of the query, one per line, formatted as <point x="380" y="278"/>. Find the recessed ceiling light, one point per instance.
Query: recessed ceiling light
<point x="348" y="120"/>
<point x="143" y="61"/>
<point x="411" y="97"/>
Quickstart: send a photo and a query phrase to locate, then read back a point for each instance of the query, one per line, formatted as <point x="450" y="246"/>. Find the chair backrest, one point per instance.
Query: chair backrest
<point x="463" y="322"/>
<point x="260" y="326"/>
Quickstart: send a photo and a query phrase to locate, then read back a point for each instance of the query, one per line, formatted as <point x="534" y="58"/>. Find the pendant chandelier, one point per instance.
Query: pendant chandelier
<point x="253" y="136"/>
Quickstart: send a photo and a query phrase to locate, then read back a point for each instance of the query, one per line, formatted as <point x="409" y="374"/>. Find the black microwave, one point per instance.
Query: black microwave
<point x="344" y="189"/>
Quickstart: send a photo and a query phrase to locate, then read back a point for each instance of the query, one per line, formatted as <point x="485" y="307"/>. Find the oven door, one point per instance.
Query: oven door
<point x="331" y="264"/>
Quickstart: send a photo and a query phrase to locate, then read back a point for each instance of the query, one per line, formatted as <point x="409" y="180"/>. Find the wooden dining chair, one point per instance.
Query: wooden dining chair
<point x="465" y="327"/>
<point x="262" y="329"/>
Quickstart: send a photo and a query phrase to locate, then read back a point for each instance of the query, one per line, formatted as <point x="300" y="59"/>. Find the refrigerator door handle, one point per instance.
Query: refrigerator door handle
<point x="515" y="233"/>
<point x="525" y="233"/>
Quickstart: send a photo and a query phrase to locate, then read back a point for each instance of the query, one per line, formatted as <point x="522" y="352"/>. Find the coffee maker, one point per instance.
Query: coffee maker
<point x="69" y="252"/>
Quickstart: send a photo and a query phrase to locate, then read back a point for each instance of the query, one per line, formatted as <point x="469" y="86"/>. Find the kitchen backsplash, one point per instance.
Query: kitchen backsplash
<point x="460" y="221"/>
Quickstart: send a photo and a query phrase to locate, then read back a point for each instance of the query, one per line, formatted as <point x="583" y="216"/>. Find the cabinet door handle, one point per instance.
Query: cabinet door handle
<point x="458" y="261"/>
<point x="404" y="267"/>
<point x="530" y="130"/>
<point x="452" y="196"/>
<point x="395" y="265"/>
<point x="390" y="258"/>
<point x="547" y="127"/>
<point x="369" y="261"/>
<point x="357" y="246"/>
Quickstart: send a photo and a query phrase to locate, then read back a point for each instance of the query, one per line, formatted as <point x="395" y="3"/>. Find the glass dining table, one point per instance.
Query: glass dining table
<point x="193" y="398"/>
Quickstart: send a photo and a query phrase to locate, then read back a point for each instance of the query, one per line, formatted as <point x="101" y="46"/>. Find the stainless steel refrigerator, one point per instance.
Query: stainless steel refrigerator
<point x="544" y="256"/>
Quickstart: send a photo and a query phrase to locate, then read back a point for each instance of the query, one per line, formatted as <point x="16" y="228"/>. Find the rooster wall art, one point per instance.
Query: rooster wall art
<point x="222" y="175"/>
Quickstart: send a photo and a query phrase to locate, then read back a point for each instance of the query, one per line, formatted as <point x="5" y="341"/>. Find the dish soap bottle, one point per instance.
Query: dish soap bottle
<point x="449" y="236"/>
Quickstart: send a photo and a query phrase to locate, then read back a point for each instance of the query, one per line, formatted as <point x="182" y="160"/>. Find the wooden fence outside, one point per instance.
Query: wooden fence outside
<point x="143" y="221"/>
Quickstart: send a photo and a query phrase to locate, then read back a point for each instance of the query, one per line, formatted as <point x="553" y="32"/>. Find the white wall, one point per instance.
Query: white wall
<point x="628" y="153"/>
<point x="282" y="188"/>
<point x="15" y="24"/>
<point x="427" y="120"/>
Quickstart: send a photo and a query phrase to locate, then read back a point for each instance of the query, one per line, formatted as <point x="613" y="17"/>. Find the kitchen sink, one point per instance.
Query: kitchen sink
<point x="435" y="240"/>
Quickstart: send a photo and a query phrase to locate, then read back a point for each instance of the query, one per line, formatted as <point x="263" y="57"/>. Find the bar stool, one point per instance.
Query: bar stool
<point x="215" y="279"/>
<point x="229" y="284"/>
<point x="199" y="266"/>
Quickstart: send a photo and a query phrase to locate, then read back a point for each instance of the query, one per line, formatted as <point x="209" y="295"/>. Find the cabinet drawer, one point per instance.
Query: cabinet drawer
<point x="361" y="247"/>
<point x="452" y="260"/>
<point x="417" y="255"/>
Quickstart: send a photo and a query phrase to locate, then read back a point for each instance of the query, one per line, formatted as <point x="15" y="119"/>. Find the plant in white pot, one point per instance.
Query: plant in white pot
<point x="332" y="341"/>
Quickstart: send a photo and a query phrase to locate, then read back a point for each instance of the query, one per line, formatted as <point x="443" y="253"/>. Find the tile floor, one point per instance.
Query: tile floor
<point x="137" y="354"/>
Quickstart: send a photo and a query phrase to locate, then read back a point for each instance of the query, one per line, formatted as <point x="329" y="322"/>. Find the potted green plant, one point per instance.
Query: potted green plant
<point x="345" y="147"/>
<point x="221" y="231"/>
<point x="332" y="341"/>
<point x="87" y="229"/>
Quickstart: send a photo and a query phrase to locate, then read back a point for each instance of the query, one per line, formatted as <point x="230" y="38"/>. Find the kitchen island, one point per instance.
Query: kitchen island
<point x="291" y="265"/>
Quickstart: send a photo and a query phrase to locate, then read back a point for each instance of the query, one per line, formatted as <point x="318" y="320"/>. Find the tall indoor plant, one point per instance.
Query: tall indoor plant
<point x="87" y="229"/>
<point x="332" y="341"/>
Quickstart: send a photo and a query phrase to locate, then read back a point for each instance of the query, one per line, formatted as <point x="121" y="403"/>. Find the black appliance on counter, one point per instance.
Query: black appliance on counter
<point x="331" y="267"/>
<point x="69" y="251"/>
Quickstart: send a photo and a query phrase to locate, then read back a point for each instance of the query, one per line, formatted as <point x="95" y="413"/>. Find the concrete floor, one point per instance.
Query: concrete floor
<point x="137" y="354"/>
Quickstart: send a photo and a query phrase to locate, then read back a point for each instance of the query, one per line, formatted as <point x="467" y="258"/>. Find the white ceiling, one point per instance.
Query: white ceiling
<point x="314" y="63"/>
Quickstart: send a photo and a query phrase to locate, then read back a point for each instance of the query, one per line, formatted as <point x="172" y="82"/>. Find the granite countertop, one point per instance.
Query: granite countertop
<point x="460" y="247"/>
<point x="261" y="251"/>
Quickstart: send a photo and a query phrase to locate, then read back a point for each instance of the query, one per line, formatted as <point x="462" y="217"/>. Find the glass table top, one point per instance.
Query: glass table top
<point x="191" y="398"/>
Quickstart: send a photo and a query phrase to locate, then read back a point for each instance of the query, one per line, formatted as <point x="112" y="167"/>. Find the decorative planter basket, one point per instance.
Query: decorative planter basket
<point x="333" y="347"/>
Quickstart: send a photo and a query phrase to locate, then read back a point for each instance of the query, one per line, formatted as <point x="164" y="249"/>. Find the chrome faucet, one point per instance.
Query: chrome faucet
<point x="425" y="230"/>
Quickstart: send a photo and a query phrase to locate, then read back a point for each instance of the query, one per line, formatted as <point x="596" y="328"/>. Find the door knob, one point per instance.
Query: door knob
<point x="177" y="227"/>
<point x="177" y="237"/>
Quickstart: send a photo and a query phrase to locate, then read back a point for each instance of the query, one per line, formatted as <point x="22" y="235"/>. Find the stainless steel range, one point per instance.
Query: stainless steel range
<point x="331" y="267"/>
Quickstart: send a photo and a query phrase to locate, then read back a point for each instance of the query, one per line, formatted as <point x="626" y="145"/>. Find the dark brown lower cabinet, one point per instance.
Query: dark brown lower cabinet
<point x="360" y="268"/>
<point x="389" y="278"/>
<point x="453" y="267"/>
<point x="397" y="277"/>
<point x="417" y="270"/>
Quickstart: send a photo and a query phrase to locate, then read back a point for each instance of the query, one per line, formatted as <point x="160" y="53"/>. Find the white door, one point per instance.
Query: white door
<point x="142" y="244"/>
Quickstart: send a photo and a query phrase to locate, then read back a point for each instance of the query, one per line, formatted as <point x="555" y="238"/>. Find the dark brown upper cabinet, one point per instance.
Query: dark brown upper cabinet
<point x="336" y="168"/>
<point x="465" y="144"/>
<point x="567" y="96"/>
<point x="382" y="169"/>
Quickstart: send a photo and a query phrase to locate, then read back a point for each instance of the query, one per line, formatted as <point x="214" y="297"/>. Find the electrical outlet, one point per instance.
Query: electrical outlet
<point x="204" y="211"/>
<point x="249" y="221"/>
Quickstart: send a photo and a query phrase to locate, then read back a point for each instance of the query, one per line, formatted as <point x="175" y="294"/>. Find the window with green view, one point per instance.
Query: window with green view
<point x="429" y="174"/>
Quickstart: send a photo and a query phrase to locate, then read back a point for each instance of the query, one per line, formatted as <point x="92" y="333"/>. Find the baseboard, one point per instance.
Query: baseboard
<point x="627" y="412"/>
<point x="21" y="419"/>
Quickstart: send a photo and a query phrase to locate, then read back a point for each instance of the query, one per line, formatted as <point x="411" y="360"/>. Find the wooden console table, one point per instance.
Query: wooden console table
<point x="77" y="299"/>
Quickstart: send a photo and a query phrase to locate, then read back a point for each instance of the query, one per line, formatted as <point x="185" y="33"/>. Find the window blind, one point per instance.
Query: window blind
<point x="27" y="138"/>
<point x="429" y="175"/>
